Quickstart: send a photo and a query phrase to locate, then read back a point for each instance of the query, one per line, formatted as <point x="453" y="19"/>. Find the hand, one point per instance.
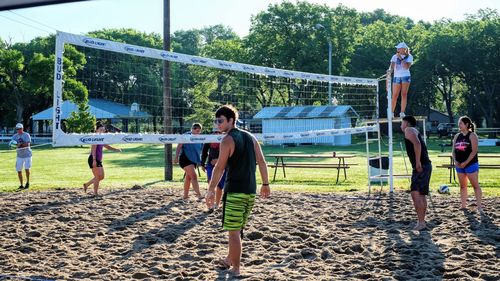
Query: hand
<point x="419" y="167"/>
<point x="94" y="163"/>
<point x="210" y="198"/>
<point x="118" y="149"/>
<point x="265" y="191"/>
<point x="176" y="160"/>
<point x="213" y="162"/>
<point x="462" y="165"/>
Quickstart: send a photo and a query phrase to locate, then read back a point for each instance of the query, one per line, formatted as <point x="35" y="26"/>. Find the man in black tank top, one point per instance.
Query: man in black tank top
<point x="239" y="152"/>
<point x="422" y="168"/>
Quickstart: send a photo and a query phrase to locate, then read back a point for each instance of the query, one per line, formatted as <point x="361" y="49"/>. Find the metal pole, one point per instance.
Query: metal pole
<point x="389" y="127"/>
<point x="329" y="71"/>
<point x="167" y="94"/>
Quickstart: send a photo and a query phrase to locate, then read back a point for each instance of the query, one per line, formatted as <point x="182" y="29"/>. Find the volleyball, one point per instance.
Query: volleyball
<point x="444" y="189"/>
<point x="13" y="144"/>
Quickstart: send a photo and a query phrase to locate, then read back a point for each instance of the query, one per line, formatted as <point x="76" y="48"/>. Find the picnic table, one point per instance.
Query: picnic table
<point x="451" y="166"/>
<point x="280" y="162"/>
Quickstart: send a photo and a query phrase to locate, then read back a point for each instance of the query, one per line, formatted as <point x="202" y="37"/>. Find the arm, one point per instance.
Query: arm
<point x="412" y="136"/>
<point x="24" y="143"/>
<point x="265" y="190"/>
<point x="93" y="149"/>
<point x="406" y="63"/>
<point x="178" y="152"/>
<point x="391" y="68"/>
<point x="204" y="154"/>
<point x="109" y="147"/>
<point x="225" y="150"/>
<point x="473" y="142"/>
<point x="453" y="150"/>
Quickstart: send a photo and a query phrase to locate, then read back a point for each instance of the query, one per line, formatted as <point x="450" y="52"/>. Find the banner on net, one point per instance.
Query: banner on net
<point x="102" y="44"/>
<point x="62" y="139"/>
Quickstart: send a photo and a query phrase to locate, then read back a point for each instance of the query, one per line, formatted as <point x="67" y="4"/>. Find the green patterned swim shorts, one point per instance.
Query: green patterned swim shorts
<point x="236" y="210"/>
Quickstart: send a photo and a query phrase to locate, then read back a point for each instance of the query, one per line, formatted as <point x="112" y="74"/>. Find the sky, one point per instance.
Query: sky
<point x="22" y="25"/>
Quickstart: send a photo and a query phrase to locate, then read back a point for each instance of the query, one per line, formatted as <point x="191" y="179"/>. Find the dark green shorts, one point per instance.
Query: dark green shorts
<point x="236" y="210"/>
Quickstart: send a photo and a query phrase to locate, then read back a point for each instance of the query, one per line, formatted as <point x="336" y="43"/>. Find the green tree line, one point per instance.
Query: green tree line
<point x="455" y="66"/>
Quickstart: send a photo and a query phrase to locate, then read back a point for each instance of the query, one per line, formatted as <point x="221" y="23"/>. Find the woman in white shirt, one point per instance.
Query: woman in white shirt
<point x="400" y="65"/>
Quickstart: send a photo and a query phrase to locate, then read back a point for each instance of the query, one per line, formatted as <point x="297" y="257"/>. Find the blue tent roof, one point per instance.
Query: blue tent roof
<point x="101" y="109"/>
<point x="295" y="112"/>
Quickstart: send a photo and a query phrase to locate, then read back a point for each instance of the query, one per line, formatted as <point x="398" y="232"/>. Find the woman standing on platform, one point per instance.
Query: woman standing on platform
<point x="466" y="162"/>
<point x="400" y="65"/>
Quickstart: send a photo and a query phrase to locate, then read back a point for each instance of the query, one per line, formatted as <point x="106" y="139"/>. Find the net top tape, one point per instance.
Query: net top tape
<point x="83" y="139"/>
<point x="102" y="44"/>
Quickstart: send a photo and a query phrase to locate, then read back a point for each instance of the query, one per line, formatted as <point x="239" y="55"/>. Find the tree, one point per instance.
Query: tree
<point x="478" y="38"/>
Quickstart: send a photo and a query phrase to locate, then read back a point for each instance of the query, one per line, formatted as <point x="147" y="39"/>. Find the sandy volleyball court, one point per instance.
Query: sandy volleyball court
<point x="151" y="234"/>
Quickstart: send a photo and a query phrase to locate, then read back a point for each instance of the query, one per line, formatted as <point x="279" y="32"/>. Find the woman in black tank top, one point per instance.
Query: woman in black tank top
<point x="466" y="162"/>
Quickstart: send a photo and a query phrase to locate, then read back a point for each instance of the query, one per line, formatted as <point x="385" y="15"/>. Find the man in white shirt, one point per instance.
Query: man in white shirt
<point x="24" y="154"/>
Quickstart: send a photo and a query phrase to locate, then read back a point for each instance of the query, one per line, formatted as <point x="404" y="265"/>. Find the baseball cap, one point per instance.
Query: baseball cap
<point x="19" y="126"/>
<point x="402" y="45"/>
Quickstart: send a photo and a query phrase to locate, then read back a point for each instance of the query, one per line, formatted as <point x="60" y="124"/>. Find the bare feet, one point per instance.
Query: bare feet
<point x="224" y="263"/>
<point x="420" y="226"/>
<point x="234" y="272"/>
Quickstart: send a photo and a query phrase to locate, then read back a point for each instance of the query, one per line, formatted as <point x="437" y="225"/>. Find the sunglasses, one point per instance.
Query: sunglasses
<point x="219" y="121"/>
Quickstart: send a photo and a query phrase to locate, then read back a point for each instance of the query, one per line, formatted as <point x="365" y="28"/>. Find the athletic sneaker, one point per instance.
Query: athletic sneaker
<point x="27" y="185"/>
<point x="402" y="114"/>
<point x="21" y="187"/>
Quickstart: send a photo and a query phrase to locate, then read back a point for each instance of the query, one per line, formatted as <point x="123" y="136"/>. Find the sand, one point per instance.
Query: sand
<point x="150" y="234"/>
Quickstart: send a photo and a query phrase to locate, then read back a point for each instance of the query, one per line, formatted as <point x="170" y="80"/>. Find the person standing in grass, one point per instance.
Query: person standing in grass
<point x="95" y="161"/>
<point x="422" y="168"/>
<point x="239" y="153"/>
<point x="465" y="156"/>
<point x="24" y="154"/>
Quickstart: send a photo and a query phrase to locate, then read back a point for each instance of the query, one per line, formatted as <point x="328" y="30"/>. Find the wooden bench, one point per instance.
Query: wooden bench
<point x="280" y="163"/>
<point x="312" y="165"/>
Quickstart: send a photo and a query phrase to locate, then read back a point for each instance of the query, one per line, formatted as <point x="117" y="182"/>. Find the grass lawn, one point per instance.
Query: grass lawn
<point x="143" y="165"/>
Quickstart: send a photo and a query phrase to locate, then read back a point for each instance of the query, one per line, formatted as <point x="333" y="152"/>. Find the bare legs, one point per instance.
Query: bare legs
<point x="98" y="173"/>
<point x="420" y="203"/>
<point x="20" y="176"/>
<point x="403" y="88"/>
<point x="474" y="180"/>
<point x="235" y="248"/>
<point x="191" y="178"/>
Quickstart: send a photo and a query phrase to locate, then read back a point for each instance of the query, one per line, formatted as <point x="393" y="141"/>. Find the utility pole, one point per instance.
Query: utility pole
<point x="167" y="94"/>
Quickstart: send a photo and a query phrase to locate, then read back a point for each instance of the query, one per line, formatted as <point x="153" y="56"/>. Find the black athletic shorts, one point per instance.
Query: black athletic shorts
<point x="99" y="163"/>
<point x="184" y="161"/>
<point x="420" y="181"/>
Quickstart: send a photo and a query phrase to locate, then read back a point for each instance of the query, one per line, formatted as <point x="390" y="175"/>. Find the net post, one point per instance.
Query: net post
<point x="57" y="95"/>
<point x="167" y="93"/>
<point x="389" y="128"/>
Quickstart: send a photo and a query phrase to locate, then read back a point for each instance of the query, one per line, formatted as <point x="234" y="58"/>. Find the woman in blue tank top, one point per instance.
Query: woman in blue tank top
<point x="466" y="162"/>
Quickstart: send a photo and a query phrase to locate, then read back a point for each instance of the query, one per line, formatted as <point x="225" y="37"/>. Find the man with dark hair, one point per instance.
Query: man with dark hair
<point x="422" y="168"/>
<point x="239" y="151"/>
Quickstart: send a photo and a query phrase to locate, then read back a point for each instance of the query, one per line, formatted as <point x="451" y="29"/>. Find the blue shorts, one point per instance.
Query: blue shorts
<point x="399" y="80"/>
<point x="210" y="169"/>
<point x="468" y="170"/>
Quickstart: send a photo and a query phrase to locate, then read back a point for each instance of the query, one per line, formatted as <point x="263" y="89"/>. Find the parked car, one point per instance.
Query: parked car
<point x="446" y="129"/>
